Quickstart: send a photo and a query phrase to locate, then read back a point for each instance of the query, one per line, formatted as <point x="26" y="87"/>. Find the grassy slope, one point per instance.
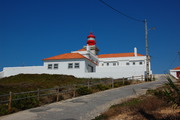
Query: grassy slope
<point x="28" y="82"/>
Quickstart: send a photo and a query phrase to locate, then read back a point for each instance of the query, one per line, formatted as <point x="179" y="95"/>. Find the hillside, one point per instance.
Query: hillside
<point x="28" y="82"/>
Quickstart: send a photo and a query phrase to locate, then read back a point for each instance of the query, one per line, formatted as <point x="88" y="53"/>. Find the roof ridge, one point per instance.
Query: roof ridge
<point x="115" y="53"/>
<point x="130" y="54"/>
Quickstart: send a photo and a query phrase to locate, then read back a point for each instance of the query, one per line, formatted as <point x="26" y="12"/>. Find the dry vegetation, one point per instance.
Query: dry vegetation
<point x="160" y="104"/>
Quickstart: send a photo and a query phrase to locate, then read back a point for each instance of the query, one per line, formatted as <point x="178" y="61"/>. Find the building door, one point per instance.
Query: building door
<point x="90" y="68"/>
<point x="178" y="74"/>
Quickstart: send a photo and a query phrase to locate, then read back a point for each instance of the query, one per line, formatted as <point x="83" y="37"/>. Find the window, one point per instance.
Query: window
<point x="49" y="66"/>
<point x="127" y="63"/>
<point x="90" y="68"/>
<point x="107" y="64"/>
<point x="55" y="66"/>
<point x="114" y="64"/>
<point x="70" y="65"/>
<point x="76" y="65"/>
<point x="134" y="63"/>
<point x="140" y="63"/>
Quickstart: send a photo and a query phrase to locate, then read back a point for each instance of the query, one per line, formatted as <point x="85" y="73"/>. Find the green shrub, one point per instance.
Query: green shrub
<point x="83" y="91"/>
<point x="25" y="103"/>
<point x="131" y="102"/>
<point x="127" y="82"/>
<point x="172" y="92"/>
<point x="102" y="87"/>
<point x="3" y="109"/>
<point x="100" y="117"/>
<point x="118" y="84"/>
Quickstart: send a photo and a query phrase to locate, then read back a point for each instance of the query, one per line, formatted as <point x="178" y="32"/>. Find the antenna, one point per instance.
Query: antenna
<point x="91" y="28"/>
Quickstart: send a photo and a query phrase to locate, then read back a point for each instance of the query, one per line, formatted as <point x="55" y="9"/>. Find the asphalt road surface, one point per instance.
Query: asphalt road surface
<point x="85" y="107"/>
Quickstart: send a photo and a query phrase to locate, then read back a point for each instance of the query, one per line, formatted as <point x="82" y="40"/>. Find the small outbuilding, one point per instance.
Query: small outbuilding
<point x="175" y="72"/>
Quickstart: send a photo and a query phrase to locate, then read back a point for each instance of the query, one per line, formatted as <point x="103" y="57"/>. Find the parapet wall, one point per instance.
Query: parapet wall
<point x="1" y="74"/>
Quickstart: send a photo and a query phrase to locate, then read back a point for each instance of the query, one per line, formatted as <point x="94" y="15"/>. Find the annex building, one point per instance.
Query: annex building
<point x="175" y="72"/>
<point x="87" y="63"/>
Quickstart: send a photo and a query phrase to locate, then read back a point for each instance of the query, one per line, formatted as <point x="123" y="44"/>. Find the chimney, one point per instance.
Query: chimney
<point x="87" y="48"/>
<point x="135" y="52"/>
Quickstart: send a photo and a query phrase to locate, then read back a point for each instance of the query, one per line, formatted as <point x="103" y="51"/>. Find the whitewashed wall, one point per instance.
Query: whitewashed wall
<point x="63" y="67"/>
<point x="173" y="73"/>
<point x="1" y="74"/>
<point x="9" y="71"/>
<point x="117" y="72"/>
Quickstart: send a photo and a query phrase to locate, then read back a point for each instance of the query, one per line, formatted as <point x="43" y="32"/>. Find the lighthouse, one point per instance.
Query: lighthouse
<point x="91" y="44"/>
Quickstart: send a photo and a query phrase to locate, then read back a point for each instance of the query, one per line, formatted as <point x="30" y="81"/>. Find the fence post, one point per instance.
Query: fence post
<point x="57" y="92"/>
<point x="132" y="77"/>
<point x="142" y="77"/>
<point x="112" y="83"/>
<point x="88" y="84"/>
<point x="10" y="102"/>
<point x="74" y="91"/>
<point x="123" y="80"/>
<point x="151" y="77"/>
<point x="38" y="94"/>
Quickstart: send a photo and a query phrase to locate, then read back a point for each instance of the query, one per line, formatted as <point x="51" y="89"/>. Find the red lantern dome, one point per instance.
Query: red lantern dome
<point x="91" y="39"/>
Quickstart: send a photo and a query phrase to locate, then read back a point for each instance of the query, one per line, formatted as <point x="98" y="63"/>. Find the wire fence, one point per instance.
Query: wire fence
<point x="9" y="98"/>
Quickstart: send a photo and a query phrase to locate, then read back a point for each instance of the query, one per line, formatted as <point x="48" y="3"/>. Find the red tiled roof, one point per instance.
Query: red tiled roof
<point x="66" y="56"/>
<point x="177" y="68"/>
<point x="83" y="49"/>
<point x="118" y="55"/>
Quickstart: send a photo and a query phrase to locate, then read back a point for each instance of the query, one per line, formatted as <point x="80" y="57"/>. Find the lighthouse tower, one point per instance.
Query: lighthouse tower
<point x="91" y="44"/>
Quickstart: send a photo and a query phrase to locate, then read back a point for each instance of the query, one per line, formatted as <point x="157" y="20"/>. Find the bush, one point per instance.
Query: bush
<point x="100" y="117"/>
<point x="131" y="102"/>
<point x="83" y="91"/>
<point x="172" y="92"/>
<point x="3" y="109"/>
<point x="102" y="87"/>
<point x="118" y="84"/>
<point x="25" y="103"/>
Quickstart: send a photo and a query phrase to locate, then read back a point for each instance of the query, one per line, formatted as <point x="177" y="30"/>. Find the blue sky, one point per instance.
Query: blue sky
<point x="31" y="30"/>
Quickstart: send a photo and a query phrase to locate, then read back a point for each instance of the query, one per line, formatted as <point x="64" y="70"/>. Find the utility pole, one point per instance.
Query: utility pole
<point x="147" y="51"/>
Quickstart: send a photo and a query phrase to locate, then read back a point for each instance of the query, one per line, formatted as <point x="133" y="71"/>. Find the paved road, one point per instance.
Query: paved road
<point x="85" y="107"/>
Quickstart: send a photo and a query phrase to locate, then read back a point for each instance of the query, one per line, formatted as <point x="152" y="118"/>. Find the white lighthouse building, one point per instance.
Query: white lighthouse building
<point x="87" y="63"/>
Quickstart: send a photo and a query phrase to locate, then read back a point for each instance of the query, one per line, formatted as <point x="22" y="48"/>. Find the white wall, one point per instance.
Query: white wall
<point x="117" y="72"/>
<point x="9" y="71"/>
<point x="1" y="74"/>
<point x="173" y="73"/>
<point x="63" y="67"/>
